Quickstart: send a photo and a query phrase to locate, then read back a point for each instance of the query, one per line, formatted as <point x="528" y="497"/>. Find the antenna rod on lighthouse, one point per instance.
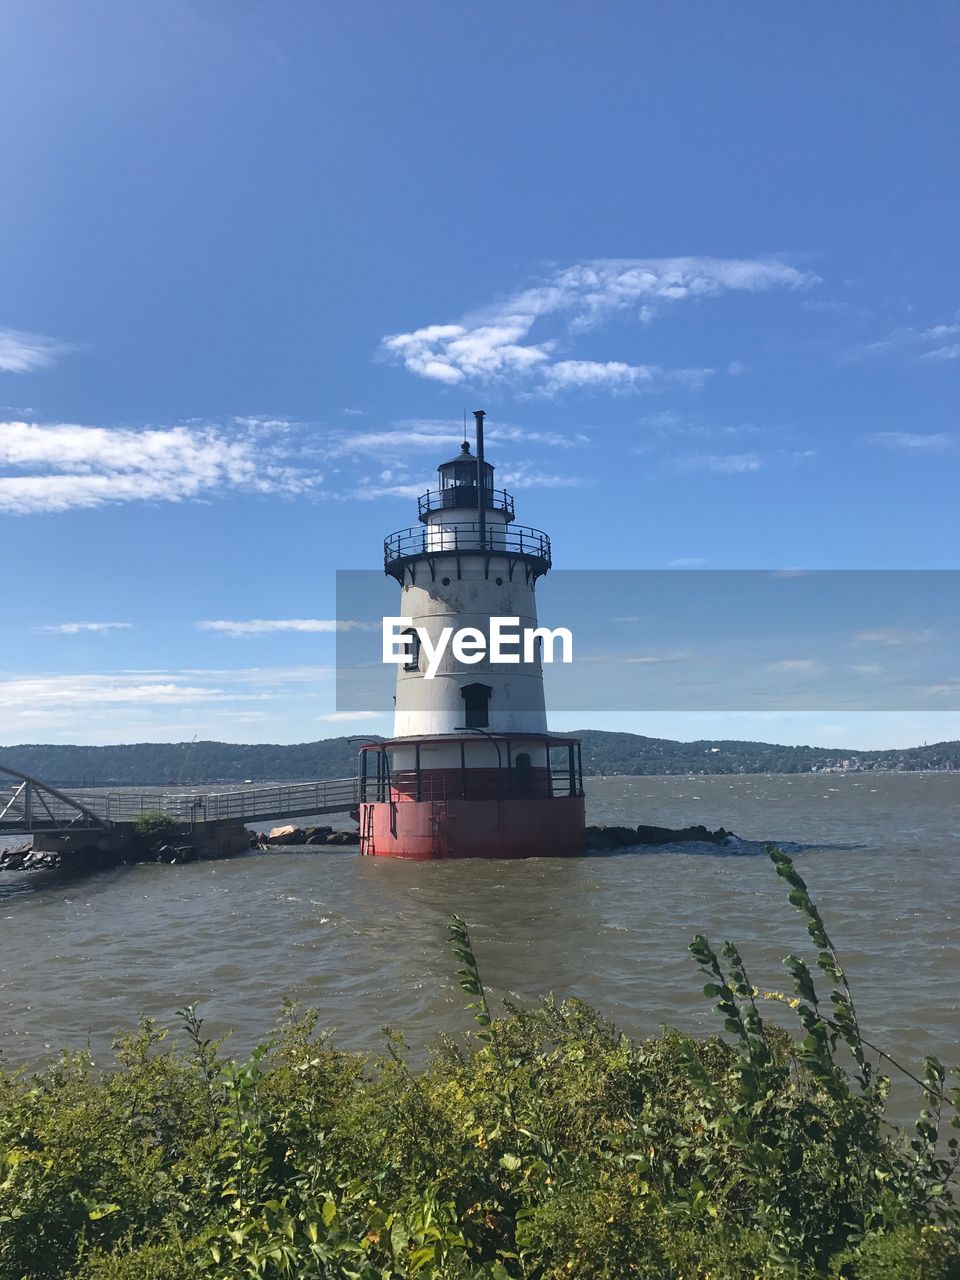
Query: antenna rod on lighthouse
<point x="479" y="415"/>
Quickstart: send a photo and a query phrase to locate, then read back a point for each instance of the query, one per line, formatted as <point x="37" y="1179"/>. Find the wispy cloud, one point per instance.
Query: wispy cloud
<point x="263" y="676"/>
<point x="792" y="664"/>
<point x="894" y="637"/>
<point x="931" y="344"/>
<point x="495" y="343"/>
<point x="61" y="466"/>
<point x="614" y="376"/>
<point x="527" y="475"/>
<point x="723" y="463"/>
<point x="340" y="717"/>
<point x="949" y="352"/>
<point x="273" y="626"/>
<point x="742" y="463"/>
<point x="26" y="352"/>
<point x="936" y="442"/>
<point x="426" y="434"/>
<point x="98" y="690"/>
<point x="76" y="628"/>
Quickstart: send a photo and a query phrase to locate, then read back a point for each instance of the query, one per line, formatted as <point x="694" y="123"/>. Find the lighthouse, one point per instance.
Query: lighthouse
<point x="471" y="771"/>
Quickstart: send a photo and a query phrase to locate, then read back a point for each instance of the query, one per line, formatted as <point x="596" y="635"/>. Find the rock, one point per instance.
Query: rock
<point x="627" y="837"/>
<point x="286" y="835"/>
<point x="39" y="860"/>
<point x="343" y="837"/>
<point x="611" y="837"/>
<point x="679" y="835"/>
<point x="318" y="835"/>
<point x="14" y="859"/>
<point x="177" y="853"/>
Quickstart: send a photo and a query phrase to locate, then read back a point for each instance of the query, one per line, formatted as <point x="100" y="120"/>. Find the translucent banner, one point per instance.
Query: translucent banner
<point x="681" y="640"/>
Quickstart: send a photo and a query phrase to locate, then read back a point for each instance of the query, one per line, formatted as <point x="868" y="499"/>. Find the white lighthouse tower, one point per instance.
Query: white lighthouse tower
<point x="472" y="770"/>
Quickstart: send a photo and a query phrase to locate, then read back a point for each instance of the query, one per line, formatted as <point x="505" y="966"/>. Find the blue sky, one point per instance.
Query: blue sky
<point x="698" y="262"/>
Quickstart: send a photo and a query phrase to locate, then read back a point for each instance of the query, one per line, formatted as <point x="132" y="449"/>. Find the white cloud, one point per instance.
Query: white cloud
<point x="98" y="690"/>
<point x="792" y="664"/>
<point x="723" y="463"/>
<point x="266" y="677"/>
<point x="75" y="628"/>
<point x="435" y="434"/>
<point x="614" y="375"/>
<point x="742" y="463"/>
<point x="26" y="352"/>
<point x="894" y="637"/>
<point x="337" y="717"/>
<point x="527" y="475"/>
<point x="61" y="466"/>
<point x="907" y="339"/>
<point x="494" y="343"/>
<point x="938" y="442"/>
<point x="271" y="626"/>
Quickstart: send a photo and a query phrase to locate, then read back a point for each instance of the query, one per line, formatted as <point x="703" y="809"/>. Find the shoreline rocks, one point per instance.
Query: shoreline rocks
<point x="226" y="840"/>
<point x="613" y="837"/>
<point x="279" y="837"/>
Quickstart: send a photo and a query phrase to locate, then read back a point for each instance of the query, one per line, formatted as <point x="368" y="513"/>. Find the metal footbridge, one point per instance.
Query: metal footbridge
<point x="30" y="806"/>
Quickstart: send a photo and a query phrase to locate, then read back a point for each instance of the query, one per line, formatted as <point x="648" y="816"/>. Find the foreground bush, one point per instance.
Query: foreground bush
<point x="551" y="1146"/>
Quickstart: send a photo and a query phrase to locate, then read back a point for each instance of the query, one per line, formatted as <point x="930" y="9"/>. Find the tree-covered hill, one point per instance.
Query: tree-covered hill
<point x="166" y="763"/>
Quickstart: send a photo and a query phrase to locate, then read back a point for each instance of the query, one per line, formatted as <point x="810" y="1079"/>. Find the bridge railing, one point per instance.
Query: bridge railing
<point x="273" y="801"/>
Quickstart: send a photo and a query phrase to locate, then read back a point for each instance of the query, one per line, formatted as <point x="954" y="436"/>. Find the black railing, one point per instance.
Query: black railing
<point x="379" y="782"/>
<point x="513" y="541"/>
<point x="464" y="496"/>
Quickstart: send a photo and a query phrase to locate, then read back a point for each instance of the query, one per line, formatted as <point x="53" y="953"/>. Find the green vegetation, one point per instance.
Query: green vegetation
<point x="154" y="824"/>
<point x="548" y="1145"/>
<point x="202" y="763"/>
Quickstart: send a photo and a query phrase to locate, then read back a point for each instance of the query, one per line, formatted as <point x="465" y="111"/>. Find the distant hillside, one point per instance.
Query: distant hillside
<point x="173" y="763"/>
<point x="606" y="753"/>
<point x="166" y="764"/>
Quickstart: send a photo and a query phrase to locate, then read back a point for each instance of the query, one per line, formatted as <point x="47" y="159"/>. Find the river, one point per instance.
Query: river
<point x="364" y="940"/>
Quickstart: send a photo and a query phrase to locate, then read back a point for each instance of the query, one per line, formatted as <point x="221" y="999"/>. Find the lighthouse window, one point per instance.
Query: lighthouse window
<point x="476" y="705"/>
<point x="412" y="644"/>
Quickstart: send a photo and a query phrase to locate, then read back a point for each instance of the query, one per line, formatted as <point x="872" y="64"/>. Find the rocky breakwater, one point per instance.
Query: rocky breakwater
<point x="606" y="838"/>
<point x="164" y="841"/>
<point x="279" y="837"/>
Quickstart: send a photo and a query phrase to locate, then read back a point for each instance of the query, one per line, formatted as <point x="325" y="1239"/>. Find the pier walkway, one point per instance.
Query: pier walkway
<point x="30" y="806"/>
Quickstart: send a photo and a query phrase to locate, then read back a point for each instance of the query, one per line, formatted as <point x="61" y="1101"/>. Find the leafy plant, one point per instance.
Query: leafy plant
<point x="152" y="823"/>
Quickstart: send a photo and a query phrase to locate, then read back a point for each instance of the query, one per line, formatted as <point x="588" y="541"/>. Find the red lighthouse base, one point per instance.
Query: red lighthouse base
<point x="496" y="804"/>
<point x="511" y="828"/>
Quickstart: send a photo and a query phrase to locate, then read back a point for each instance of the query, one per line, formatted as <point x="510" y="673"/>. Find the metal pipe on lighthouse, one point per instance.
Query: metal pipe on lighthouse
<point x="479" y="415"/>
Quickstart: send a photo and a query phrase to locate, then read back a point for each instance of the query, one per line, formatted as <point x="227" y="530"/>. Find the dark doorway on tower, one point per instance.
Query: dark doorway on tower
<point x="476" y="705"/>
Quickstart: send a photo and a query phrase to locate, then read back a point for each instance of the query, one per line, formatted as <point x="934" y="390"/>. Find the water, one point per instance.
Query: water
<point x="364" y="939"/>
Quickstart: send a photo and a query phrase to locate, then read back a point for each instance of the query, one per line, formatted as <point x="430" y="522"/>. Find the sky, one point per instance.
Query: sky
<point x="698" y="263"/>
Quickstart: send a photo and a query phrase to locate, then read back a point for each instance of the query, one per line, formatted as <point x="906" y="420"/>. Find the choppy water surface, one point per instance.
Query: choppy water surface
<point x="364" y="939"/>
